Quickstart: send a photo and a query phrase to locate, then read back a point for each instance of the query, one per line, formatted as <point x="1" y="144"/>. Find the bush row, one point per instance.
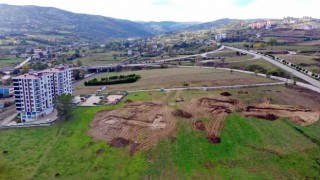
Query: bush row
<point x="131" y="78"/>
<point x="294" y="66"/>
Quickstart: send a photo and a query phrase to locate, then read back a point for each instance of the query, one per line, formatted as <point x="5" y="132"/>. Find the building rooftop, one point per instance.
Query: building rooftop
<point x="56" y="69"/>
<point x="31" y="75"/>
<point x="35" y="75"/>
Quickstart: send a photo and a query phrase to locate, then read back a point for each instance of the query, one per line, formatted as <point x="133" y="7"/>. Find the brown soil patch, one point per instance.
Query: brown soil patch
<point x="217" y="108"/>
<point x="298" y="115"/>
<point x="138" y="125"/>
<point x="119" y="142"/>
<point x="128" y="101"/>
<point x="243" y="92"/>
<point x="226" y="94"/>
<point x="181" y="113"/>
<point x="100" y="151"/>
<point x="173" y="139"/>
<point x="200" y="126"/>
<point x="214" y="139"/>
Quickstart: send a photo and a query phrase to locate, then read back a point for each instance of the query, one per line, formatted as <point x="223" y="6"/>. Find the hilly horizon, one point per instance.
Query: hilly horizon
<point x="52" y="21"/>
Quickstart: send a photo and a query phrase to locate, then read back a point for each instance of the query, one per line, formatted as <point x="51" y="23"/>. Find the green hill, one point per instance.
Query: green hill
<point x="52" y="21"/>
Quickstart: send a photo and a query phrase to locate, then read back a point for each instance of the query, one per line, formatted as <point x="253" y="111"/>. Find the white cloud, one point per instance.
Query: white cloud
<point x="183" y="10"/>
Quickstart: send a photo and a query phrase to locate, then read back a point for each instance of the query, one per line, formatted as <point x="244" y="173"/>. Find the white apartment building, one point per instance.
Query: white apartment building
<point x="34" y="92"/>
<point x="62" y="80"/>
<point x="221" y="36"/>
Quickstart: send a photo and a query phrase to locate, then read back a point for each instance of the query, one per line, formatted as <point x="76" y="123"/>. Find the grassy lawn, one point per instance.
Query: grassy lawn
<point x="100" y="58"/>
<point x="293" y="48"/>
<point x="238" y="58"/>
<point x="244" y="65"/>
<point x="250" y="149"/>
<point x="284" y="48"/>
<point x="10" y="62"/>
<point x="176" y="77"/>
<point x="306" y="61"/>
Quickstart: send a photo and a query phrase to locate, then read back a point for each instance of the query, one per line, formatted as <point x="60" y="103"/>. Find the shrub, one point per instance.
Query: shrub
<point x="258" y="68"/>
<point x="131" y="78"/>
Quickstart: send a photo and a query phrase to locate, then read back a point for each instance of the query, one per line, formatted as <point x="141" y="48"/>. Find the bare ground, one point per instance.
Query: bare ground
<point x="140" y="125"/>
<point x="217" y="108"/>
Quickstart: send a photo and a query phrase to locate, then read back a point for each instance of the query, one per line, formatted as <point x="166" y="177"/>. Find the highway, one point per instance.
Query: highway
<point x="184" y="57"/>
<point x="305" y="77"/>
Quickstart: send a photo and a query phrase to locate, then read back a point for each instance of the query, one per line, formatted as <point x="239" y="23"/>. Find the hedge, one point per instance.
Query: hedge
<point x="131" y="78"/>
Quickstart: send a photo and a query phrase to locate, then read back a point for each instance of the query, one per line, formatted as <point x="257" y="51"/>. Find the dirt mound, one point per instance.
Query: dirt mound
<point x="217" y="108"/>
<point x="173" y="139"/>
<point x="119" y="142"/>
<point x="100" y="151"/>
<point x="128" y="101"/>
<point x="200" y="126"/>
<point x="181" y="113"/>
<point x="138" y="125"/>
<point x="214" y="139"/>
<point x="134" y="148"/>
<point x="243" y="92"/>
<point x="269" y="111"/>
<point x="266" y="116"/>
<point x="222" y="101"/>
<point x="226" y="94"/>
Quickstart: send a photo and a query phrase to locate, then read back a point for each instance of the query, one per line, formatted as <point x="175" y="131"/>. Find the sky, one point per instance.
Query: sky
<point x="183" y="10"/>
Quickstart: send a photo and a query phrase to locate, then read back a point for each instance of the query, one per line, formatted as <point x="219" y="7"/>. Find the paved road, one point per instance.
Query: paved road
<point x="23" y="63"/>
<point x="282" y="66"/>
<point x="184" y="57"/>
<point x="8" y="119"/>
<point x="308" y="86"/>
<point x="213" y="60"/>
<point x="210" y="87"/>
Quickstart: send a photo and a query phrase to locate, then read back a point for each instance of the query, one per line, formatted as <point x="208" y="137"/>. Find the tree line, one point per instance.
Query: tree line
<point x="131" y="78"/>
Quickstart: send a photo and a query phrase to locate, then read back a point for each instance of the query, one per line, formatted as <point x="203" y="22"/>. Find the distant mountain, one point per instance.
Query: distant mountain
<point x="213" y="24"/>
<point x="52" y="21"/>
<point x="47" y="21"/>
<point x="166" y="26"/>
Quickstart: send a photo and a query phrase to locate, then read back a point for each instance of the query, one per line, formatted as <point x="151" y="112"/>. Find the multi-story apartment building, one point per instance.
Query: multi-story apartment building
<point x="34" y="92"/>
<point x="61" y="81"/>
<point x="221" y="36"/>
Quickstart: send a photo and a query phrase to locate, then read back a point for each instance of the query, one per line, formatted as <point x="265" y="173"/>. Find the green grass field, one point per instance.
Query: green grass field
<point x="260" y="62"/>
<point x="10" y="62"/>
<point x="308" y="62"/>
<point x="176" y="77"/>
<point x="283" y="48"/>
<point x="250" y="149"/>
<point x="100" y="58"/>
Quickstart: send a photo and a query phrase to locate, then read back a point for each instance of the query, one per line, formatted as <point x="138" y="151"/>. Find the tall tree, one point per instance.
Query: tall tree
<point x="273" y="41"/>
<point x="25" y="69"/>
<point x="63" y="104"/>
<point x="79" y="63"/>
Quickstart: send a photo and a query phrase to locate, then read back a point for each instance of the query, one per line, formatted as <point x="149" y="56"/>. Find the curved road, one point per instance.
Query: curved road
<point x="282" y="66"/>
<point x="184" y="57"/>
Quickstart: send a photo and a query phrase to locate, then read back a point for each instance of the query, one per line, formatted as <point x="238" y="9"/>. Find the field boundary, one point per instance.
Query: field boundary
<point x="207" y="88"/>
